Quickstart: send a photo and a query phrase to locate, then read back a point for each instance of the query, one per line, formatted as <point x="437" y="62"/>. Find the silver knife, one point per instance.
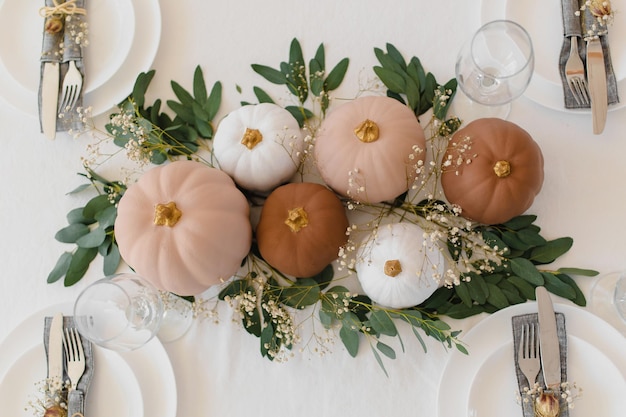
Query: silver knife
<point x="597" y="84"/>
<point x="55" y="350"/>
<point x="548" y="341"/>
<point x="49" y="98"/>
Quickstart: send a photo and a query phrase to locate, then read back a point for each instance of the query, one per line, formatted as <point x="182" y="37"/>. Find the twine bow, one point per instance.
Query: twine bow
<point x="61" y="9"/>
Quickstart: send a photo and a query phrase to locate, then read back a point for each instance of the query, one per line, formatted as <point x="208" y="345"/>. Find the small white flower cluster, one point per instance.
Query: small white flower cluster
<point x="604" y="15"/>
<point x="78" y="30"/>
<point x="125" y="123"/>
<point x="284" y="329"/>
<point x="461" y="155"/>
<point x="51" y="395"/>
<point x="569" y="393"/>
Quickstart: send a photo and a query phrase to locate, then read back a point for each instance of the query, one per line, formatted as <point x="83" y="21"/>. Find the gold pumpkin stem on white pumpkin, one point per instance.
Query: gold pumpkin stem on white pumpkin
<point x="251" y="138"/>
<point x="297" y="219"/>
<point x="392" y="267"/>
<point x="166" y="214"/>
<point x="502" y="169"/>
<point x="367" y="131"/>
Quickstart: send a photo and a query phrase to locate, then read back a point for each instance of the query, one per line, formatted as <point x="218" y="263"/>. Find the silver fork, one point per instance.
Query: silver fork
<point x="528" y="353"/>
<point x="74" y="356"/>
<point x="72" y="84"/>
<point x="575" y="74"/>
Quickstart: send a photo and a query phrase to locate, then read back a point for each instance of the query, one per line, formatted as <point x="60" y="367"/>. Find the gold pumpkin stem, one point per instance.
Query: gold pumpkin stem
<point x="167" y="214"/>
<point x="367" y="131"/>
<point x="502" y="169"/>
<point x="392" y="267"/>
<point x="251" y="138"/>
<point x="297" y="219"/>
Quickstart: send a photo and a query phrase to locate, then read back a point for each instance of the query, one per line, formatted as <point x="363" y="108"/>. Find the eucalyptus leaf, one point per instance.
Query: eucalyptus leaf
<point x="382" y="323"/>
<point x="141" y="86"/>
<point x="267" y="334"/>
<point x="186" y="99"/>
<point x="214" y="101"/>
<point x="350" y="339"/>
<point x="520" y="222"/>
<point x="93" y="239"/>
<point x="79" y="189"/>
<point x="386" y="350"/>
<point x="525" y="288"/>
<point x="304" y="292"/>
<point x="325" y="318"/>
<point x="270" y="74"/>
<point x="71" y="233"/>
<point x="182" y="111"/>
<point x="553" y="249"/>
<point x="199" y="87"/>
<point x="60" y="268"/>
<point x="111" y="260"/>
<point x="580" y="297"/>
<point x="106" y="217"/>
<point x="525" y="269"/>
<point x="336" y="75"/>
<point x="496" y="297"/>
<point x="96" y="205"/>
<point x="262" y="96"/>
<point x="477" y="288"/>
<point x="379" y="360"/>
<point x="392" y="80"/>
<point x="81" y="259"/>
<point x="76" y="216"/>
<point x="558" y="287"/>
<point x="578" y="271"/>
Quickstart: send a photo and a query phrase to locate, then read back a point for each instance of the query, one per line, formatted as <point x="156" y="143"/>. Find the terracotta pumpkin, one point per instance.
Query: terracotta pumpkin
<point x="184" y="227"/>
<point x="301" y="229"/>
<point x="259" y="146"/>
<point x="498" y="176"/>
<point x="396" y="269"/>
<point x="368" y="149"/>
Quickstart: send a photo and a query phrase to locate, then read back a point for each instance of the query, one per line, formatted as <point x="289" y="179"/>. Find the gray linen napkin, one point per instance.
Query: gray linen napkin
<point x="516" y="324"/>
<point x="50" y="52"/>
<point x="76" y="400"/>
<point x="572" y="27"/>
<point x="72" y="51"/>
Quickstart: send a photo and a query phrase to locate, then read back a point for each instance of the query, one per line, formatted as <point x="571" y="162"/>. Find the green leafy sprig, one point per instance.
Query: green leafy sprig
<point x="293" y="74"/>
<point x="90" y="229"/>
<point x="161" y="136"/>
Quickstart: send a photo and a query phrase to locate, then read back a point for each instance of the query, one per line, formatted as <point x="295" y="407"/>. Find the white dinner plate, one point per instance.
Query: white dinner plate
<point x="592" y="343"/>
<point x="128" y="384"/>
<point x="603" y="384"/>
<point x="543" y="21"/>
<point x="114" y="389"/>
<point x="109" y="80"/>
<point x="111" y="30"/>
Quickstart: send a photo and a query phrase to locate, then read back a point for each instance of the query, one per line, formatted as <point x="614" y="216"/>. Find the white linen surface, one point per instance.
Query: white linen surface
<point x="218" y="366"/>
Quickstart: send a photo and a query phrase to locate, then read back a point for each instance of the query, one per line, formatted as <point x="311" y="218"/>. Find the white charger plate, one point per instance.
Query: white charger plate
<point x="593" y="344"/>
<point x="542" y="19"/>
<point x="108" y="81"/>
<point x="127" y="384"/>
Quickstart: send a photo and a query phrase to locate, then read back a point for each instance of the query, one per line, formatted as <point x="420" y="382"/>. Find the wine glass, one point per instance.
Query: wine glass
<point x="607" y="299"/>
<point x="124" y="312"/>
<point x="492" y="69"/>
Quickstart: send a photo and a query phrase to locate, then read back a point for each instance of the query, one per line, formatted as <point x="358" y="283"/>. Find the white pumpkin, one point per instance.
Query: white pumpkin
<point x="395" y="268"/>
<point x="259" y="146"/>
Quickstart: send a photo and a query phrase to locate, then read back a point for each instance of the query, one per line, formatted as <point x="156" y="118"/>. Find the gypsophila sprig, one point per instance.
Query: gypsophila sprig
<point x="598" y="15"/>
<point x="50" y="399"/>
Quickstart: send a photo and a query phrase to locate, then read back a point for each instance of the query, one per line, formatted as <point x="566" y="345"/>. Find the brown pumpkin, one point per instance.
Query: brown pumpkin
<point x="492" y="169"/>
<point x="301" y="229"/>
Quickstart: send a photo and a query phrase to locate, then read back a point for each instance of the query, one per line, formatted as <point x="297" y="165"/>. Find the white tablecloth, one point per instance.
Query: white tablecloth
<point x="218" y="366"/>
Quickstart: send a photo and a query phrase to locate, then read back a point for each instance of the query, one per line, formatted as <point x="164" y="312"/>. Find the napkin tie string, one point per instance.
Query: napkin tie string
<point x="60" y="9"/>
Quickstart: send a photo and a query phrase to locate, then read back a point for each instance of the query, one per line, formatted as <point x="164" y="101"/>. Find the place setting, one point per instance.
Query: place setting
<point x="103" y="354"/>
<point x="522" y="363"/>
<point x="572" y="40"/>
<point x="116" y="40"/>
